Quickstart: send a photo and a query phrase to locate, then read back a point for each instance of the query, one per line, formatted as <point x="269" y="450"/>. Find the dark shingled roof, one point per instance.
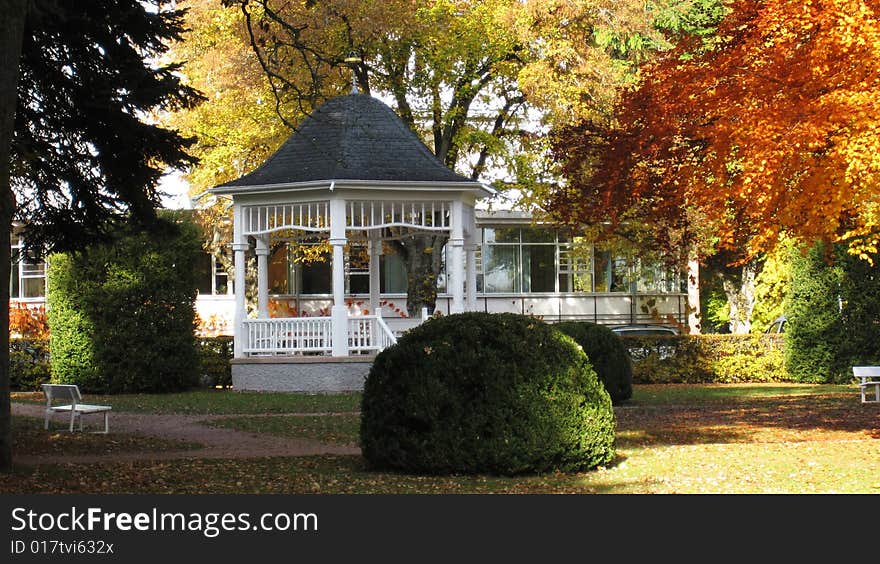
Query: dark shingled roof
<point x="354" y="137"/>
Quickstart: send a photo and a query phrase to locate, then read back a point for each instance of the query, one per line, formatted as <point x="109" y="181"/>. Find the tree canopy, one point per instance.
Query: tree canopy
<point x="79" y="149"/>
<point x="770" y="128"/>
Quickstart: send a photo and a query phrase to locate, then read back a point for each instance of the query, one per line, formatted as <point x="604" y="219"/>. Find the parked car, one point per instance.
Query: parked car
<point x="645" y="330"/>
<point x="778" y="325"/>
<point x="637" y="353"/>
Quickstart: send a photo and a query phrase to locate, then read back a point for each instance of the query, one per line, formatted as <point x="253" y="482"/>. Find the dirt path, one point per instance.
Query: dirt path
<point x="218" y="442"/>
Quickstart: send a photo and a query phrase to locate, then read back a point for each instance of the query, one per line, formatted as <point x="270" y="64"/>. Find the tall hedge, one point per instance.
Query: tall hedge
<point x="122" y="315"/>
<point x="485" y="393"/>
<point x="833" y="314"/>
<point x="607" y="355"/>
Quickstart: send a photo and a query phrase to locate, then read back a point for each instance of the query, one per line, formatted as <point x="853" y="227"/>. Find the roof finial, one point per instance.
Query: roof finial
<point x="353" y="60"/>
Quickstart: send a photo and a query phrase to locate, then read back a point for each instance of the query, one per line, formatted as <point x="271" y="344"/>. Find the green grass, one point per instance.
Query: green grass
<point x="30" y="438"/>
<point x="336" y="429"/>
<point x="218" y="402"/>
<point x="767" y="438"/>
<point x="701" y="394"/>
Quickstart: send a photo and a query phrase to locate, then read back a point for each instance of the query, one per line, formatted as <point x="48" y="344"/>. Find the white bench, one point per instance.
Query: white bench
<point x="70" y="392"/>
<point x="869" y="377"/>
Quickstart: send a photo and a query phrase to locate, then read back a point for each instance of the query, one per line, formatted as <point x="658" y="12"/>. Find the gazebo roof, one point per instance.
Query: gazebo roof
<point x="354" y="137"/>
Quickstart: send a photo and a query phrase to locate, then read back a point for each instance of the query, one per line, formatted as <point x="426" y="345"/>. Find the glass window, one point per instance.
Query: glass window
<point x="575" y="269"/>
<point x="278" y="270"/>
<point x="539" y="268"/>
<point x="538" y="235"/>
<point x="656" y="277"/>
<point x="221" y="278"/>
<point x="501" y="268"/>
<point x="357" y="267"/>
<point x="501" y="235"/>
<point x="204" y="265"/>
<point x="315" y="276"/>
<point x="27" y="276"/>
<point x="612" y="273"/>
<point x="393" y="272"/>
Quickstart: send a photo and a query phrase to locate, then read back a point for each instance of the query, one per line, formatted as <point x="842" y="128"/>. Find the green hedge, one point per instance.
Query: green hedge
<point x="122" y="315"/>
<point x="485" y="393"/>
<point x="28" y="364"/>
<point x="214" y="356"/>
<point x="833" y="314"/>
<point x="698" y="359"/>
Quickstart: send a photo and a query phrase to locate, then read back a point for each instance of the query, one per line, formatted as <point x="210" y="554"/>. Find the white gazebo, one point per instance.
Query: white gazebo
<point x="352" y="171"/>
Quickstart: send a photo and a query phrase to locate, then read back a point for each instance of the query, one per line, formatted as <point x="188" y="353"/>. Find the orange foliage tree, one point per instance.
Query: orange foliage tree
<point x="772" y="126"/>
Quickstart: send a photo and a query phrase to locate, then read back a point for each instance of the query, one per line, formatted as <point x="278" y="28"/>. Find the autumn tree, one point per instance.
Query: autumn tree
<point x="770" y="128"/>
<point x="77" y="153"/>
<point x="478" y="81"/>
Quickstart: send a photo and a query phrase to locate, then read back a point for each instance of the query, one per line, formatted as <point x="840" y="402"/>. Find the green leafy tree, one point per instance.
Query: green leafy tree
<point x="77" y="153"/>
<point x="473" y="79"/>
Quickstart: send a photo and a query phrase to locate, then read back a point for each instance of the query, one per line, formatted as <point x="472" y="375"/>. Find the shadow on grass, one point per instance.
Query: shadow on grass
<point x="775" y="418"/>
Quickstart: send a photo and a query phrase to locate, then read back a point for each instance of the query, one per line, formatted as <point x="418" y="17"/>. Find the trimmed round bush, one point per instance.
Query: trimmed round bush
<point x="607" y="354"/>
<point x="485" y="393"/>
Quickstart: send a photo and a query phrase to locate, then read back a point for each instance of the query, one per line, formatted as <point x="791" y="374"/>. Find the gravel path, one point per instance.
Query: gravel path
<point x="218" y="442"/>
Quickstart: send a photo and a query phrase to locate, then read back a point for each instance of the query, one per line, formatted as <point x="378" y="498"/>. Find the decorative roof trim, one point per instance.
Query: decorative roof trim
<point x="482" y="190"/>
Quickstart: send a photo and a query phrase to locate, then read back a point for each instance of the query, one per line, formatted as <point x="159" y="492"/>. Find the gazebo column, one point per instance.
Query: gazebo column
<point x="262" y="277"/>
<point x="456" y="257"/>
<point x="471" y="275"/>
<point x="375" y="251"/>
<point x="338" y="313"/>
<point x="239" y="247"/>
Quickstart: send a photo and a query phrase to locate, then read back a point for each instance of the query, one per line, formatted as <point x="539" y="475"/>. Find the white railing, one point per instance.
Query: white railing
<point x="385" y="335"/>
<point x="287" y="336"/>
<point x="313" y="335"/>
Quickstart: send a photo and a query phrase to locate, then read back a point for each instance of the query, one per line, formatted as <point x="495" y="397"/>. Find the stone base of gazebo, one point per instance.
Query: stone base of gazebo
<point x="309" y="374"/>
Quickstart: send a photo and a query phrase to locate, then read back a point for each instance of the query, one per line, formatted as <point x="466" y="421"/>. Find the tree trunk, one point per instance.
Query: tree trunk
<point x="422" y="255"/>
<point x="741" y="299"/>
<point x="11" y="36"/>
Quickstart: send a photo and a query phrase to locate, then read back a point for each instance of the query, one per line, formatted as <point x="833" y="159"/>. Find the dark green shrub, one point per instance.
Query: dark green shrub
<point x="122" y="315"/>
<point x="705" y="359"/>
<point x="833" y="314"/>
<point x="28" y="364"/>
<point x="607" y="355"/>
<point x="479" y="392"/>
<point x="214" y="356"/>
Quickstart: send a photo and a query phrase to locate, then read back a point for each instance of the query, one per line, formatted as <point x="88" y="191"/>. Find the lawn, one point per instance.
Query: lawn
<point x="670" y="439"/>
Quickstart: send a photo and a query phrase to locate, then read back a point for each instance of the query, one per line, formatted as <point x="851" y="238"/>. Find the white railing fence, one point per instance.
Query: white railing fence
<point x="314" y="335"/>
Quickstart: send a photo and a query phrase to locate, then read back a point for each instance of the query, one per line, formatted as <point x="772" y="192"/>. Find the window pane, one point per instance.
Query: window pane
<point x="359" y="284"/>
<point x="612" y="273"/>
<point x="393" y="273"/>
<point x="576" y="268"/>
<point x="501" y="235"/>
<point x="221" y="278"/>
<point x="501" y="268"/>
<point x="539" y="268"/>
<point x="656" y="278"/>
<point x="278" y="270"/>
<point x="13" y="281"/>
<point x="538" y="235"/>
<point x="33" y="287"/>
<point x="317" y="278"/>
<point x="203" y="267"/>
<point x="620" y="275"/>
